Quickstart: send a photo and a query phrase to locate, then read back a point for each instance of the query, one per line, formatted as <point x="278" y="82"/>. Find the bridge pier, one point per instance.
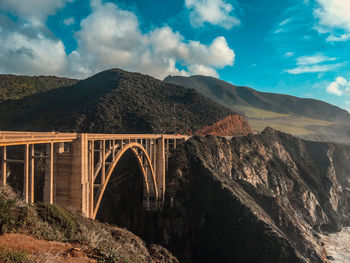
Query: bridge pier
<point x="3" y="175"/>
<point x="79" y="179"/>
<point x="160" y="168"/>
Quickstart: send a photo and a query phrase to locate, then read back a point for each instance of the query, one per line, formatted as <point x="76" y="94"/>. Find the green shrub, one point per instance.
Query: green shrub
<point x="12" y="216"/>
<point x="58" y="218"/>
<point x="14" y="256"/>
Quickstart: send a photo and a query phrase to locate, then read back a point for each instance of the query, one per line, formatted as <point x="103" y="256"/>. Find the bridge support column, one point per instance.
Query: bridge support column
<point x="91" y="177"/>
<point x="79" y="189"/>
<point x="3" y="167"/>
<point x="26" y="173"/>
<point x="32" y="174"/>
<point x="49" y="178"/>
<point x="160" y="168"/>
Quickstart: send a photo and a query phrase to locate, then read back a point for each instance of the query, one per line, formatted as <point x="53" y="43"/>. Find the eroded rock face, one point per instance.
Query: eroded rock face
<point x="258" y="198"/>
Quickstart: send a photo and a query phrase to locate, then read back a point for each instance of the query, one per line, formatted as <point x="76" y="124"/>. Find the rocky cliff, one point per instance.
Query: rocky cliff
<point x="257" y="198"/>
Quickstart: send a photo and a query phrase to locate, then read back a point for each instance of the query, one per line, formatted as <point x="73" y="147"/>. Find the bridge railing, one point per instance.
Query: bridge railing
<point x="8" y="138"/>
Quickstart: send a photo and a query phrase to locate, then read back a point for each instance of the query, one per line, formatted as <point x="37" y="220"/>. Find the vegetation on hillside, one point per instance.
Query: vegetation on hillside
<point x="100" y="242"/>
<point x="114" y="101"/>
<point x="13" y="87"/>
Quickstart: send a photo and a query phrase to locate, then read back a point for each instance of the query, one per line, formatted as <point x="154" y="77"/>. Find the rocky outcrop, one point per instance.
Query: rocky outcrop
<point x="258" y="198"/>
<point x="232" y="125"/>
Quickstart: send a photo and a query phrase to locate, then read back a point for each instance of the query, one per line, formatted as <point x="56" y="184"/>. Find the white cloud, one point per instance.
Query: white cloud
<point x="21" y="54"/>
<point x="313" y="69"/>
<point x="341" y="38"/>
<point x="333" y="15"/>
<point x="203" y="70"/>
<point x="26" y="45"/>
<point x="111" y="37"/>
<point x="284" y="22"/>
<point x="69" y="21"/>
<point x="215" y="12"/>
<point x="35" y="11"/>
<point x="315" y="59"/>
<point x="314" y="64"/>
<point x="289" y="54"/>
<point x="339" y="86"/>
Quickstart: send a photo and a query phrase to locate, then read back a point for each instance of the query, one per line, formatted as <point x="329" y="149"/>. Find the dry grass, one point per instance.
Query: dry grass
<point x="289" y="124"/>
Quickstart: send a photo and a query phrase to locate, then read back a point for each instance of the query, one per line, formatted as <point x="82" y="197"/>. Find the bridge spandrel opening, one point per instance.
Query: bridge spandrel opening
<point x="124" y="201"/>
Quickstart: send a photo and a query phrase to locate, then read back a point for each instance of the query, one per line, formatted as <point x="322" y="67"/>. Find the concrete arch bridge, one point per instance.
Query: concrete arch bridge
<point x="78" y="166"/>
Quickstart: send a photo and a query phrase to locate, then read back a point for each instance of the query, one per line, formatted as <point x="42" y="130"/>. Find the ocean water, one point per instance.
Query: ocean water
<point x="337" y="245"/>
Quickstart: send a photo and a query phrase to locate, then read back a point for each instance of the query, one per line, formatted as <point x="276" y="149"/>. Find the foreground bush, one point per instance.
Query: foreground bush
<point x="13" y="212"/>
<point x="100" y="241"/>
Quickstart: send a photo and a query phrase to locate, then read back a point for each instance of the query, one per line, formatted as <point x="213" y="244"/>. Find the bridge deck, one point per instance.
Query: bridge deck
<point x="19" y="138"/>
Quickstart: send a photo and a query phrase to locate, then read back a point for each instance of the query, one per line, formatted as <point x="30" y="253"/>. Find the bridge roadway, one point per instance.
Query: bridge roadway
<point x="78" y="166"/>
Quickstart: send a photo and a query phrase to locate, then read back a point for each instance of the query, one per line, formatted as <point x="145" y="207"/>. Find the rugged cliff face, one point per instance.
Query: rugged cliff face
<point x="258" y="198"/>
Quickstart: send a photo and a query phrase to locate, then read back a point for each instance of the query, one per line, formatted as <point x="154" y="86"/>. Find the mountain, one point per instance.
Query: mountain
<point x="114" y="101"/>
<point x="308" y="118"/>
<point x="13" y="87"/>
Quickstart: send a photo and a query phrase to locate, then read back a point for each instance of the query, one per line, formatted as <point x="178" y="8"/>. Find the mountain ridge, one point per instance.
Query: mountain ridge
<point x="114" y="101"/>
<point x="225" y="86"/>
<point x="307" y="118"/>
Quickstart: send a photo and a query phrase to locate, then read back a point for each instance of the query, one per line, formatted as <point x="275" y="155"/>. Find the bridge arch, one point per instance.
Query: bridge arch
<point x="145" y="166"/>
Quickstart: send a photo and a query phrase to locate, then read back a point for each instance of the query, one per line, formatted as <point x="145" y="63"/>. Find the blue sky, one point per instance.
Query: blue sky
<point x="297" y="47"/>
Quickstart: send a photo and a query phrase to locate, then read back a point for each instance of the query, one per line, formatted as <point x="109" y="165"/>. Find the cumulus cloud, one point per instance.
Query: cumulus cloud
<point x="33" y="10"/>
<point x="339" y="86"/>
<point x="202" y="70"/>
<point x="111" y="37"/>
<point x="27" y="46"/>
<point x="333" y="15"/>
<point x="314" y="64"/>
<point x="215" y="12"/>
<point x="21" y="54"/>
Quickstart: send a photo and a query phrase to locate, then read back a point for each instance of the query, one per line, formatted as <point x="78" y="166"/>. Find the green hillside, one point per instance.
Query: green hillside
<point x="13" y="87"/>
<point x="114" y="101"/>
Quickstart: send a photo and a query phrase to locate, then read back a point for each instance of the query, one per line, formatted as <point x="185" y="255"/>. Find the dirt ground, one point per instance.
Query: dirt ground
<point x="43" y="251"/>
